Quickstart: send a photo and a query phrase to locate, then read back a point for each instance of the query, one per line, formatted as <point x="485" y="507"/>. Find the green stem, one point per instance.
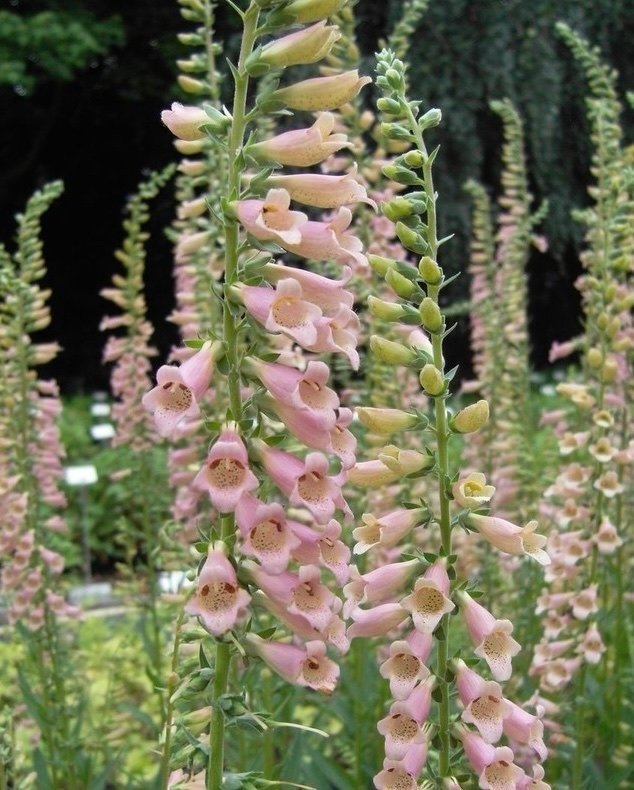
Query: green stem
<point x="215" y="766"/>
<point x="172" y="682"/>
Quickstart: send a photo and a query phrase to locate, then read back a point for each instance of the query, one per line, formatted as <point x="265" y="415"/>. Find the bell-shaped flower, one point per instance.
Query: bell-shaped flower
<point x="536" y="782"/>
<point x="377" y="621"/>
<point x="376" y="585"/>
<point x="387" y="530"/>
<point x="491" y="638"/>
<point x="339" y="332"/>
<point x="403" y="774"/>
<point x="304" y="666"/>
<point x="325" y="292"/>
<point x="328" y="241"/>
<point x="321" y="191"/>
<point x="301" y="390"/>
<point x="510" y="538"/>
<point x="472" y="491"/>
<point x="428" y="602"/>
<point x="283" y="309"/>
<point x="303" y="593"/>
<point x="609" y="484"/>
<point x="266" y="534"/>
<point x="592" y="647"/>
<point x="305" y="46"/>
<point x="179" y="389"/>
<point x="524" y="727"/>
<point x="403" y="669"/>
<point x="402" y="728"/>
<point x="226" y="475"/>
<point x="322" y="93"/>
<point x="322" y="547"/>
<point x="305" y="482"/>
<point x="303" y="147"/>
<point x="271" y="219"/>
<point x="184" y="122"/>
<point x="584" y="603"/>
<point x="493" y="765"/>
<point x="218" y="600"/>
<point x="484" y="705"/>
<point x="607" y="538"/>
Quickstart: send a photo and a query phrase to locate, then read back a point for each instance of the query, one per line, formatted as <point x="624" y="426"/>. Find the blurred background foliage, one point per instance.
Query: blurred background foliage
<point x="82" y="83"/>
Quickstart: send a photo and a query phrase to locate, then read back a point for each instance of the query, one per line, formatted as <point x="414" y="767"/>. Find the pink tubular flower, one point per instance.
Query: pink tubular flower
<point x="510" y="538"/>
<point x="325" y="292"/>
<point x="226" y="475"/>
<point x="428" y="602"/>
<point x="302" y="594"/>
<point x="494" y="766"/>
<point x="303" y="147"/>
<point x="387" y="530"/>
<point x="218" y="601"/>
<point x="178" y="390"/>
<point x="339" y="332"/>
<point x="323" y="241"/>
<point x="305" y="482"/>
<point x="322" y="547"/>
<point x="492" y="638"/>
<point x="307" y="666"/>
<point x="266" y="534"/>
<point x="283" y="309"/>
<point x="305" y="46"/>
<point x="315" y="189"/>
<point x="304" y="391"/>
<point x="592" y="647"/>
<point x="485" y="707"/>
<point x="184" y="122"/>
<point x="404" y="668"/>
<point x="402" y="774"/>
<point x="377" y="585"/>
<point x="322" y="93"/>
<point x="271" y="220"/>
<point x="402" y="727"/>
<point x="377" y="621"/>
<point x="472" y="491"/>
<point x="526" y="728"/>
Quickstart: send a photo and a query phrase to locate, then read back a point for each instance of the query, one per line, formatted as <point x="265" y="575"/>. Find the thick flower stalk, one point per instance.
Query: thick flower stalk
<point x="30" y="473"/>
<point x="583" y="599"/>
<point x="274" y="539"/>
<point x="420" y="595"/>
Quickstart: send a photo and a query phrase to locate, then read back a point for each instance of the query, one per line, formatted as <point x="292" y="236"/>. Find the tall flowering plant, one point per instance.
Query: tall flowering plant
<point x="421" y="593"/>
<point x="31" y="522"/>
<point x="583" y="599"/>
<point x="273" y="537"/>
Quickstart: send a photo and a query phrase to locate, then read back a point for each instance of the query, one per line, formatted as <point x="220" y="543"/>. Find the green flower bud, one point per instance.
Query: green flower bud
<point x="414" y="159"/>
<point x="407" y="236"/>
<point x="397" y="209"/>
<point x="386" y="420"/>
<point x="430" y="271"/>
<point x="380" y="264"/>
<point x="594" y="357"/>
<point x="609" y="370"/>
<point x="432" y="380"/>
<point x="386" y="311"/>
<point x="431" y="118"/>
<point x="390" y="106"/>
<point x="471" y="418"/>
<point x="390" y="352"/>
<point x="394" y="79"/>
<point x="430" y="315"/>
<point x="399" y="284"/>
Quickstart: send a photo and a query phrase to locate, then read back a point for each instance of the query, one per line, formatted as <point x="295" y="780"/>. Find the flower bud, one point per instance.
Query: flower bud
<point x="386" y="311"/>
<point x="414" y="159"/>
<point x="430" y="271"/>
<point x="394" y="79"/>
<point x="609" y="370"/>
<point x="390" y="106"/>
<point x="386" y="420"/>
<point x="471" y="418"/>
<point x="190" y="85"/>
<point x="430" y="315"/>
<point x="432" y="380"/>
<point x="431" y="118"/>
<point x="390" y="352"/>
<point x="594" y="357"/>
<point x="399" y="284"/>
<point x="302" y="47"/>
<point x="408" y="237"/>
<point x="398" y="208"/>
<point x="312" y="10"/>
<point x="602" y="321"/>
<point x="380" y="264"/>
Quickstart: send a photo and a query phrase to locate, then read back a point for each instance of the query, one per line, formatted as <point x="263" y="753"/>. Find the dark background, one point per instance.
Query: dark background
<point x="82" y="84"/>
